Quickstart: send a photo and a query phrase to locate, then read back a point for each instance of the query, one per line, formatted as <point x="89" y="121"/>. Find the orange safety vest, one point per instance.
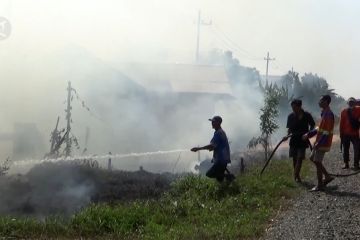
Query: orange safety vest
<point x="345" y="124"/>
<point x="325" y="131"/>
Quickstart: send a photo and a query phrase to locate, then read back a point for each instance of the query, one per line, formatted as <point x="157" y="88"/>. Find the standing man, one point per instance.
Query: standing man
<point x="349" y="132"/>
<point x="299" y="123"/>
<point x="221" y="152"/>
<point x="324" y="135"/>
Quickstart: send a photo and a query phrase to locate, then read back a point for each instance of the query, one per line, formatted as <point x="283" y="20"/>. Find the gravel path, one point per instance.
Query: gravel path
<point x="332" y="214"/>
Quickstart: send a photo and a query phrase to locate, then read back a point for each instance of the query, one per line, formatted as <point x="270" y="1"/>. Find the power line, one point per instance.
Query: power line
<point x="226" y="40"/>
<point x="278" y="67"/>
<point x="223" y="44"/>
<point x="232" y="42"/>
<point x="84" y="105"/>
<point x="228" y="46"/>
<point x="284" y="69"/>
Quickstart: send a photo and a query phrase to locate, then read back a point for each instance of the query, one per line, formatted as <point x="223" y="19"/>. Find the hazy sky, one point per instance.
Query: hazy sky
<point x="319" y="36"/>
<point x="36" y="61"/>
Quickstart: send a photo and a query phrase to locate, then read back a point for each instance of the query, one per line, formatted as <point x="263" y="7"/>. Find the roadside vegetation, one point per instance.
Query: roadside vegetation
<point x="194" y="208"/>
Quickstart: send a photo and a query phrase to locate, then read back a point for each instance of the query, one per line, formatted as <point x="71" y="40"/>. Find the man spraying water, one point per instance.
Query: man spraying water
<point x="221" y="152"/>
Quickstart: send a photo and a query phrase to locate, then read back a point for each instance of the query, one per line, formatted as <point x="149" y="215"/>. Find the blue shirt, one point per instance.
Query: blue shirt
<point x="221" y="147"/>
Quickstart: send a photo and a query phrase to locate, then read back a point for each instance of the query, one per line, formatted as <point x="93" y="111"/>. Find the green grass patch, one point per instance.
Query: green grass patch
<point x="194" y="208"/>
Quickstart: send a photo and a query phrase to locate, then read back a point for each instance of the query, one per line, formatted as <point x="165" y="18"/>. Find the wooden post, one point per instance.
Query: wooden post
<point x="109" y="163"/>
<point x="242" y="165"/>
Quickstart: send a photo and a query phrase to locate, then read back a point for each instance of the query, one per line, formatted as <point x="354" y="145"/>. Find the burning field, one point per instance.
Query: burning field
<point x="63" y="188"/>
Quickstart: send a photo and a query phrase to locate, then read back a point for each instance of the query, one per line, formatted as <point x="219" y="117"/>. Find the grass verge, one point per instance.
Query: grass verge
<point x="194" y="208"/>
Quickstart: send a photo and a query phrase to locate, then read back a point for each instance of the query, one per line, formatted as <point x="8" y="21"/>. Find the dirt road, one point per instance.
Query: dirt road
<point x="332" y="214"/>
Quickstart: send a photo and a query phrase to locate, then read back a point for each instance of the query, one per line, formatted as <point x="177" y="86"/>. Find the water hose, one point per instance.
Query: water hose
<point x="273" y="152"/>
<point x="283" y="140"/>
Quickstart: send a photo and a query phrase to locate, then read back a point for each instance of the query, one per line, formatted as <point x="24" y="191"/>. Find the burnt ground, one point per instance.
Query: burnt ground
<point x="332" y="214"/>
<point x="64" y="188"/>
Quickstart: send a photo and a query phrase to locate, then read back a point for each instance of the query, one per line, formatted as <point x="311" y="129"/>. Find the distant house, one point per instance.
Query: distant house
<point x="178" y="89"/>
<point x="181" y="79"/>
<point x="177" y="99"/>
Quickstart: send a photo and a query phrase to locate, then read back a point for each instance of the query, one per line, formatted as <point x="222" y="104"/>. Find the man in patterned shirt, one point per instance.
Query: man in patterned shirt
<point x="324" y="135"/>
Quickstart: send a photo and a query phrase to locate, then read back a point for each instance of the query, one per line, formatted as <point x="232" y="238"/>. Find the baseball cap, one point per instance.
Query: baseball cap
<point x="216" y="119"/>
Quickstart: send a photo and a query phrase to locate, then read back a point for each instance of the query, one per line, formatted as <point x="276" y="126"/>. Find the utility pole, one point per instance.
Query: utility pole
<point x="68" y="119"/>
<point x="200" y="22"/>
<point x="267" y="68"/>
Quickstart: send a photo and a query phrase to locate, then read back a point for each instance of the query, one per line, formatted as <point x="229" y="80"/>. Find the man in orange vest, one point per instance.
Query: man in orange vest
<point x="357" y="102"/>
<point x="349" y="132"/>
<point x="324" y="135"/>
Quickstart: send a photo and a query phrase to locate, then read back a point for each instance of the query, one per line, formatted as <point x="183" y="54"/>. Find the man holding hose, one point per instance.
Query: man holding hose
<point x="299" y="122"/>
<point x="221" y="152"/>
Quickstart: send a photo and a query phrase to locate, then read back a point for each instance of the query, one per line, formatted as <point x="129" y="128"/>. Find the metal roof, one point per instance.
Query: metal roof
<point x="179" y="78"/>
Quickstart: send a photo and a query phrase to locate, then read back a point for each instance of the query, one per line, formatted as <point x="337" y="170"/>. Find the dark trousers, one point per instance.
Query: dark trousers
<point x="298" y="155"/>
<point x="346" y="140"/>
<point x="217" y="171"/>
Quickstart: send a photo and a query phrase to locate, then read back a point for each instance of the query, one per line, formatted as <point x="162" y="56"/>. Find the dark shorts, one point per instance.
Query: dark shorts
<point x="317" y="156"/>
<point x="217" y="171"/>
<point x="298" y="153"/>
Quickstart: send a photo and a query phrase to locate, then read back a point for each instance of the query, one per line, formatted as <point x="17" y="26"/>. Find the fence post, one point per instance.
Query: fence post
<point x="109" y="163"/>
<point x="242" y="165"/>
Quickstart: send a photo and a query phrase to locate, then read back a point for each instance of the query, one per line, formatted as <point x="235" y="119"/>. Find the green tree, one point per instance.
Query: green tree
<point x="268" y="119"/>
<point x="309" y="88"/>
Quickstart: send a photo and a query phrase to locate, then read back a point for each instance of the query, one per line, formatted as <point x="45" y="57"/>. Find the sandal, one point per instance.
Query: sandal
<point x="316" y="189"/>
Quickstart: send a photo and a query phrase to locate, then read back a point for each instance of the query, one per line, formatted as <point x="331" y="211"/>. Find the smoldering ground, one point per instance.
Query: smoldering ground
<point x="64" y="188"/>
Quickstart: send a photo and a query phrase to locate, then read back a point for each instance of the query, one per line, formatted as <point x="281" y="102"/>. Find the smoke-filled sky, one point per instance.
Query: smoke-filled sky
<point x="312" y="36"/>
<point x="84" y="41"/>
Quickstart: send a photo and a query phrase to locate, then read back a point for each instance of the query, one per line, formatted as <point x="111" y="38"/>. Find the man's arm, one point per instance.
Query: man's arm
<point x="310" y="134"/>
<point x="215" y="141"/>
<point x="288" y="129"/>
<point x="209" y="147"/>
<point x="341" y="125"/>
<point x="288" y="122"/>
<point x="311" y="121"/>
